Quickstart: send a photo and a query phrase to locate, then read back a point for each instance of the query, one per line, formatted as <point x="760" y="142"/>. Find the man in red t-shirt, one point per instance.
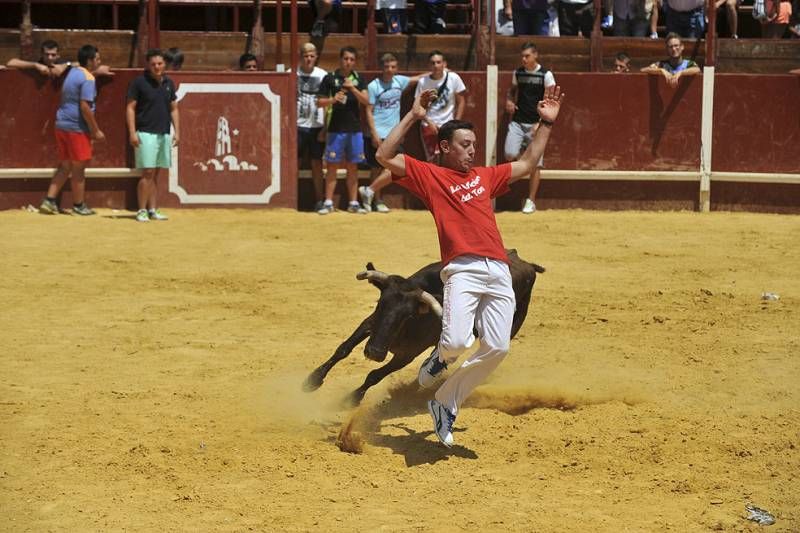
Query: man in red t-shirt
<point x="476" y="276"/>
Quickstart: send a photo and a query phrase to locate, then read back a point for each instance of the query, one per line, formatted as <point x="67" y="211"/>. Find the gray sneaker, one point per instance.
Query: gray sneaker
<point x="48" y="207"/>
<point x="367" y="195"/>
<point x="431" y="370"/>
<point x="356" y="208"/>
<point x="83" y="210"/>
<point x="442" y="422"/>
<point x="326" y="209"/>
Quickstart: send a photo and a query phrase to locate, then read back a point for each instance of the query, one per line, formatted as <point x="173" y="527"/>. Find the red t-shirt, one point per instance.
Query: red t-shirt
<point x="461" y="204"/>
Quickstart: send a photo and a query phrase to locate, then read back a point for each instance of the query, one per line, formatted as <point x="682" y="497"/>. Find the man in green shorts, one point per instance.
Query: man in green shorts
<point x="152" y="107"/>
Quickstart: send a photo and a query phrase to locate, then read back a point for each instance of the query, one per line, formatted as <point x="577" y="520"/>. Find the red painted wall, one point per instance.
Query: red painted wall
<point x="27" y="111"/>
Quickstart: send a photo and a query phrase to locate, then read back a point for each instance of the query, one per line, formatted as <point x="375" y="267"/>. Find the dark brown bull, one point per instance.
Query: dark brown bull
<point x="407" y="320"/>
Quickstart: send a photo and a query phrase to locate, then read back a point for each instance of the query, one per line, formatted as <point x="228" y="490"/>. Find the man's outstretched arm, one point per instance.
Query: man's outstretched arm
<point x="548" y="110"/>
<point x="387" y="154"/>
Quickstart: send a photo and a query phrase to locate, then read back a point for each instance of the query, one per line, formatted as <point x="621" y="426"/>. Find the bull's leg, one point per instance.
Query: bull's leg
<point x="522" y="311"/>
<point x="398" y="361"/>
<point x="315" y="378"/>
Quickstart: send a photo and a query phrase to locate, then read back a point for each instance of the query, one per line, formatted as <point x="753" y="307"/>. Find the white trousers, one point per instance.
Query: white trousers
<point x="477" y="293"/>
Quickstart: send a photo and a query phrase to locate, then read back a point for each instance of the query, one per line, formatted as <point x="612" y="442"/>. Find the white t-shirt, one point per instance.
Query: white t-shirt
<point x="308" y="114"/>
<point x="391" y="4"/>
<point x="442" y="109"/>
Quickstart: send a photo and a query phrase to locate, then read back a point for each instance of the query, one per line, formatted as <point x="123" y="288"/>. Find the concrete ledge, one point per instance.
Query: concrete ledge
<point x="23" y="173"/>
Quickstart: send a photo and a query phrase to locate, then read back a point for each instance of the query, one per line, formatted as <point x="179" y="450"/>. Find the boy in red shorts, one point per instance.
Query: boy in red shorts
<point x="76" y="128"/>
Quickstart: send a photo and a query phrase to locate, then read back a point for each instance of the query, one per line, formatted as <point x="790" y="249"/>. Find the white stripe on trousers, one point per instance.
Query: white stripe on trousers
<point x="477" y="292"/>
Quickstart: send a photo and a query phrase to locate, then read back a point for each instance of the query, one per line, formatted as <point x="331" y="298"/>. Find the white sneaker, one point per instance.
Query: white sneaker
<point x="381" y="207"/>
<point x="529" y="206"/>
<point x="442" y="422"/>
<point x="142" y="216"/>
<point x="326" y="209"/>
<point x="431" y="370"/>
<point x="157" y="214"/>
<point x="366" y="194"/>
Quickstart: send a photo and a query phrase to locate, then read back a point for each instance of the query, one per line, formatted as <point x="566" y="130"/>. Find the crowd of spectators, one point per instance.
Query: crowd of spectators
<point x="620" y="18"/>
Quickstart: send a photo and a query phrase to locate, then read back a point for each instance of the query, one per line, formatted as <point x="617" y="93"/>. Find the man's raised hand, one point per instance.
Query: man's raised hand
<point x="422" y="103"/>
<point x="550" y="104"/>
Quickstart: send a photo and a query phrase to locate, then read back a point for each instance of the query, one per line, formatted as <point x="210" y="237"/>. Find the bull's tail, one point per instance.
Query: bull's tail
<point x="538" y="268"/>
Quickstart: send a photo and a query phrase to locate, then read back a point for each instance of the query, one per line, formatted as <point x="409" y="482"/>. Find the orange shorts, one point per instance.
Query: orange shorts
<point x="73" y="146"/>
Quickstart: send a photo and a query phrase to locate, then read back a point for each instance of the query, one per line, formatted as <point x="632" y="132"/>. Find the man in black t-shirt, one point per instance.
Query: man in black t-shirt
<point x="341" y="92"/>
<point x="152" y="108"/>
<point x="527" y="90"/>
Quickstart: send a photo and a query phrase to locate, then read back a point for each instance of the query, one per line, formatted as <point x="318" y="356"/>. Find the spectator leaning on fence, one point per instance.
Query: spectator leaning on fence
<point x="675" y="66"/>
<point x="151" y="109"/>
<point x="76" y="128"/>
<point x="49" y="63"/>
<point x="248" y="62"/>
<point x="383" y="114"/>
<point x="622" y="63"/>
<point x="342" y="92"/>
<point x="310" y="117"/>
<point x="527" y="89"/>
<point x="686" y="18"/>
<point x="448" y="105"/>
<point x="174" y="59"/>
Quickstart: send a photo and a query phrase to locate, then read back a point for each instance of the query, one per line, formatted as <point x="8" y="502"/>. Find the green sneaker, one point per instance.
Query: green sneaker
<point x="48" y="207"/>
<point x="83" y="210"/>
<point x="142" y="216"/>
<point x="156" y="214"/>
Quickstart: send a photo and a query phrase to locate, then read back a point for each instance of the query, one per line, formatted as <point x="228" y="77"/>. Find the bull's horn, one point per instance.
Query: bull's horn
<point x="373" y="275"/>
<point x="426" y="297"/>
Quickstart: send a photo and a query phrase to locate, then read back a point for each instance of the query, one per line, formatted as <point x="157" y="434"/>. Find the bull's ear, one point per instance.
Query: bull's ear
<point x="370" y="266"/>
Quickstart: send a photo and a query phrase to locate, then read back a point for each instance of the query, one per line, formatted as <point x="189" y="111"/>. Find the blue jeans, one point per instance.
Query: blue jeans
<point x="531" y="22"/>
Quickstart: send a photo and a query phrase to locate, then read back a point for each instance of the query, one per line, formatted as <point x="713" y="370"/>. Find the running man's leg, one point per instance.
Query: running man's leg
<point x="494" y="318"/>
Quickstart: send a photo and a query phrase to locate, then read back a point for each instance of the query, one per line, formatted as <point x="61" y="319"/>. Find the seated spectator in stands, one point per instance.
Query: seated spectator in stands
<point x="174" y="59"/>
<point x="49" y="63"/>
<point x="248" y="62"/>
<point x="622" y="63"/>
<point x="731" y="14"/>
<point x="310" y="117"/>
<point x="504" y="19"/>
<point x="326" y="17"/>
<point x="675" y="66"/>
<point x="429" y="16"/>
<point x="527" y="90"/>
<point x="343" y="90"/>
<point x="780" y="14"/>
<point x="383" y="114"/>
<point x="448" y="105"/>
<point x="575" y="16"/>
<point x="394" y="15"/>
<point x="686" y="18"/>
<point x="530" y="16"/>
<point x="632" y="17"/>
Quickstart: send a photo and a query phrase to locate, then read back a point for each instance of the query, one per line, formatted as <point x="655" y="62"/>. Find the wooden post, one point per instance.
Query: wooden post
<point x="279" y="34"/>
<point x="293" y="44"/>
<point x="372" y="37"/>
<point x="26" y="33"/>
<point x="257" y="35"/>
<point x="596" y="44"/>
<point x="142" y="33"/>
<point x="153" y="32"/>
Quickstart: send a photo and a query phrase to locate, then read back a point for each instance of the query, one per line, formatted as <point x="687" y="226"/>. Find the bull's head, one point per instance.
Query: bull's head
<point x="399" y="302"/>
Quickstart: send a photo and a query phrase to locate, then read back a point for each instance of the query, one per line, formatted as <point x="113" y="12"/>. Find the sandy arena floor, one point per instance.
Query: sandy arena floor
<point x="151" y="377"/>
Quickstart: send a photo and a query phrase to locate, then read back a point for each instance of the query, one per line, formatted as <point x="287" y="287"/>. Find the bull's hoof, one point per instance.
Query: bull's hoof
<point x="353" y="399"/>
<point x="312" y="382"/>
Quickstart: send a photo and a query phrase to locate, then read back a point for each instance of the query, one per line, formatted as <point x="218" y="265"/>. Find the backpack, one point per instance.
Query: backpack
<point x="760" y="10"/>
